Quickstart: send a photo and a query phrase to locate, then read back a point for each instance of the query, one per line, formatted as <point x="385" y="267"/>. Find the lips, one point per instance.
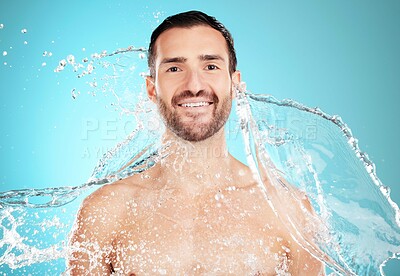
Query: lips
<point x="187" y="99"/>
<point x="195" y="104"/>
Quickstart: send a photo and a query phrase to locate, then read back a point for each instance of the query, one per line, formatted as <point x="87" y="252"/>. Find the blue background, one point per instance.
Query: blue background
<point x="342" y="56"/>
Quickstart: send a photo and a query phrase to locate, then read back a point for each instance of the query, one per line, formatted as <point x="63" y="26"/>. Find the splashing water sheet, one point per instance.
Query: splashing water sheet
<point x="297" y="154"/>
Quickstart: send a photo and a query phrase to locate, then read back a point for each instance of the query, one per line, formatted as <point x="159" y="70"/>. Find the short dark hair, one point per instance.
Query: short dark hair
<point x="187" y="20"/>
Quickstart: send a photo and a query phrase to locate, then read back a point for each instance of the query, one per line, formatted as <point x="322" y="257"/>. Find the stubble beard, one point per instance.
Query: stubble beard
<point x="197" y="131"/>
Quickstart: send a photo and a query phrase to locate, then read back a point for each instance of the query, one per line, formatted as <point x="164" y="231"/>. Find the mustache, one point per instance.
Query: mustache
<point x="189" y="94"/>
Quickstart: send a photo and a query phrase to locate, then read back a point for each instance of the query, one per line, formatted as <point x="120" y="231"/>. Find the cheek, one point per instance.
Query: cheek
<point x="166" y="87"/>
<point x="162" y="91"/>
<point x="223" y="85"/>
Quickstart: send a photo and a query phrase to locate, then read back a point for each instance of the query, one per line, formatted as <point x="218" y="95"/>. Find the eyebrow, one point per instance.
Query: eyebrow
<point x="211" y="57"/>
<point x="173" y="60"/>
<point x="183" y="59"/>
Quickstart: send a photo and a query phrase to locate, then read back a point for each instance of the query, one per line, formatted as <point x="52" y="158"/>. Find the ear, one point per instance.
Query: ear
<point x="236" y="79"/>
<point x="151" y="89"/>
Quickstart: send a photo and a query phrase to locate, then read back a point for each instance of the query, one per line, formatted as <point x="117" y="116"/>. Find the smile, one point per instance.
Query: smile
<point x="198" y="104"/>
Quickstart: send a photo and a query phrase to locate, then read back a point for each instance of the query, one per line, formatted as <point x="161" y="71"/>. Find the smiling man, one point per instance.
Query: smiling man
<point x="198" y="211"/>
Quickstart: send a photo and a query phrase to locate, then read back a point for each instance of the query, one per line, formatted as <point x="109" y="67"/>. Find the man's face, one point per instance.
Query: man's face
<point x="192" y="85"/>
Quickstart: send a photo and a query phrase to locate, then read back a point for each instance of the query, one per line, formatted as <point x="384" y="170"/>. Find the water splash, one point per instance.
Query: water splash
<point x="339" y="180"/>
<point x="286" y="143"/>
<point x="119" y="73"/>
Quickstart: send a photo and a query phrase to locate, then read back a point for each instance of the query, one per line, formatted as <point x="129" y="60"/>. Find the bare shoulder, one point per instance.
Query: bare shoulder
<point x="111" y="193"/>
<point x="102" y="215"/>
<point x="111" y="199"/>
<point x="301" y="261"/>
<point x="243" y="175"/>
<point x="104" y="211"/>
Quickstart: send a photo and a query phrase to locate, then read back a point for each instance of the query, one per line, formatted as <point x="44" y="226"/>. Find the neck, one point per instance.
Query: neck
<point x="199" y="163"/>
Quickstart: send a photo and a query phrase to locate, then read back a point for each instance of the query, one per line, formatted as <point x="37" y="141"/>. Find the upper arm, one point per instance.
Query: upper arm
<point x="303" y="216"/>
<point x="303" y="263"/>
<point x="91" y="238"/>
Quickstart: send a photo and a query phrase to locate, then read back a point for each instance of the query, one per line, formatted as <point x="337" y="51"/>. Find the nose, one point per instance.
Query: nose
<point x="194" y="82"/>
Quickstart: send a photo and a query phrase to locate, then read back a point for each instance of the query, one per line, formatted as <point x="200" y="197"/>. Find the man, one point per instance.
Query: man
<point x="199" y="210"/>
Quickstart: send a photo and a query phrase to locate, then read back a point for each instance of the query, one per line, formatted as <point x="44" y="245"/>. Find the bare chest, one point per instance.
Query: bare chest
<point x="221" y="234"/>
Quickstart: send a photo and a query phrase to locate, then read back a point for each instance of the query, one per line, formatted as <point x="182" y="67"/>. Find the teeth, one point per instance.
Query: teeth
<point x="195" y="104"/>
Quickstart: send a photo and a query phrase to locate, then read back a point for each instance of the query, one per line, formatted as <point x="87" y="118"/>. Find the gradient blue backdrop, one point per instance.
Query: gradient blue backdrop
<point x="342" y="56"/>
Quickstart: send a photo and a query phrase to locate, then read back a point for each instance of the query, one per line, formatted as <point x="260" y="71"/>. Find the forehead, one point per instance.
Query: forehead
<point x="188" y="42"/>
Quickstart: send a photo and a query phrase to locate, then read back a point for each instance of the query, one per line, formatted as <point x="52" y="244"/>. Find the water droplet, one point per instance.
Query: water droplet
<point x="156" y="14"/>
<point x="73" y="94"/>
<point x="61" y="65"/>
<point x="93" y="84"/>
<point x="142" y="55"/>
<point x="90" y="68"/>
<point x="71" y="59"/>
<point x="4" y="53"/>
<point x="25" y="42"/>
<point x="44" y="64"/>
<point x="1" y="26"/>
<point x="219" y="196"/>
<point x="24" y="31"/>
<point x="45" y="53"/>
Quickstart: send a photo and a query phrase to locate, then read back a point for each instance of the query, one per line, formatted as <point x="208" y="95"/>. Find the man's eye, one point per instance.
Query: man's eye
<point x="173" y="69"/>
<point x="211" y="67"/>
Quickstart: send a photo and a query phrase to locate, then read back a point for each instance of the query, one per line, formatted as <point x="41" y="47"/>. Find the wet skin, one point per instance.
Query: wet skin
<point x="158" y="227"/>
<point x="196" y="211"/>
